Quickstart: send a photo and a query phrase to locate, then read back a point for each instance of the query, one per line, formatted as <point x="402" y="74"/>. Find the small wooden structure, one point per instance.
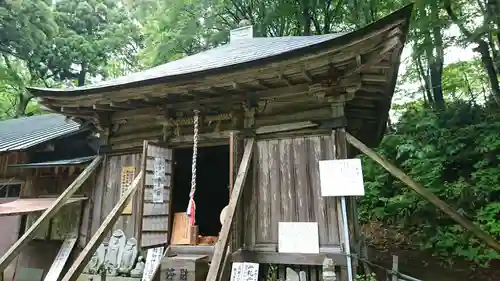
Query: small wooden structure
<point x="270" y="109"/>
<point x="40" y="156"/>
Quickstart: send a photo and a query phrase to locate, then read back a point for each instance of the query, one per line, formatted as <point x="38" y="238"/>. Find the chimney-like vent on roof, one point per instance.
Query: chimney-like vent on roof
<point x="244" y="31"/>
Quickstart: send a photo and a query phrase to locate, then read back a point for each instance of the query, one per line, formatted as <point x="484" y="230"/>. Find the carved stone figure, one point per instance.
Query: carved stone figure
<point x="139" y="268"/>
<point x="95" y="262"/>
<point x="302" y="275"/>
<point x="292" y="275"/>
<point x="114" y="253"/>
<point x="128" y="257"/>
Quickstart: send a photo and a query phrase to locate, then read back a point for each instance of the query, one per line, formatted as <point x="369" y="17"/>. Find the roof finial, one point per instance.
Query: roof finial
<point x="243" y="32"/>
<point x="244" y="22"/>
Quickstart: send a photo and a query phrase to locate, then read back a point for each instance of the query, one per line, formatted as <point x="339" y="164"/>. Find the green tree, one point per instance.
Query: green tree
<point x="91" y="34"/>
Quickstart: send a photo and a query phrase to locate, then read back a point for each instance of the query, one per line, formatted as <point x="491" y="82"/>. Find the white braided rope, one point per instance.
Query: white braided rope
<point x="195" y="155"/>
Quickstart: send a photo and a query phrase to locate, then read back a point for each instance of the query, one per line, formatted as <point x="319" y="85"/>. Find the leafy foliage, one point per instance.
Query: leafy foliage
<point x="454" y="153"/>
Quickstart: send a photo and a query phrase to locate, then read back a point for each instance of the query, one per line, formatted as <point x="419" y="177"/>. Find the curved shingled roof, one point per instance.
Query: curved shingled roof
<point x="241" y="53"/>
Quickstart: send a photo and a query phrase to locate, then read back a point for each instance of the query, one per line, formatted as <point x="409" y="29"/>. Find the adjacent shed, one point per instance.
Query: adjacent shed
<point x="31" y="180"/>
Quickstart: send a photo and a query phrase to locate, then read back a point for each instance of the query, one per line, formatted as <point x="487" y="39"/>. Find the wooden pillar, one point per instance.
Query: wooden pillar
<point x="236" y="151"/>
<point x="220" y="252"/>
<point x="340" y="152"/>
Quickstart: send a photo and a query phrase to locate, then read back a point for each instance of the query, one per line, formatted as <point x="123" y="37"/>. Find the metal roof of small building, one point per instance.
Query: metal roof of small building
<point x="65" y="162"/>
<point x="26" y="132"/>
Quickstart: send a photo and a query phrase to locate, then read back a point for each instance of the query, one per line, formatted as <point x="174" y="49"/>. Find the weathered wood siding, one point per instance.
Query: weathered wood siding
<point x="156" y="215"/>
<point x="286" y="188"/>
<point x="107" y="192"/>
<point x="11" y="158"/>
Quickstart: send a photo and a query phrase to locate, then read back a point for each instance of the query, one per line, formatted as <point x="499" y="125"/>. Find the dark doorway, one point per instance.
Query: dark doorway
<point x="212" y="185"/>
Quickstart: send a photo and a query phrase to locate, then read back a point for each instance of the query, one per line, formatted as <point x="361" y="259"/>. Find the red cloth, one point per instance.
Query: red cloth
<point x="191" y="212"/>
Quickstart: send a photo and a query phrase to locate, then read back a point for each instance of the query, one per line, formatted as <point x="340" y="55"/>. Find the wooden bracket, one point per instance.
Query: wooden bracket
<point x="332" y="123"/>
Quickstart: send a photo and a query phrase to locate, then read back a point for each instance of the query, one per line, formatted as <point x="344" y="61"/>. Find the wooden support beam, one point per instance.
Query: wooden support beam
<point x="216" y="265"/>
<point x="84" y="257"/>
<point x="427" y="194"/>
<point x="15" y="249"/>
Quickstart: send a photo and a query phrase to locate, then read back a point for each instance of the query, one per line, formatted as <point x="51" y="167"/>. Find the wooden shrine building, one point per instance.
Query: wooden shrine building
<point x="266" y="111"/>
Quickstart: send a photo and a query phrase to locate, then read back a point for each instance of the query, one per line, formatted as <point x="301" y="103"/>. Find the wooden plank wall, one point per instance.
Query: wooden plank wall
<point x="11" y="158"/>
<point x="107" y="193"/>
<point x="286" y="187"/>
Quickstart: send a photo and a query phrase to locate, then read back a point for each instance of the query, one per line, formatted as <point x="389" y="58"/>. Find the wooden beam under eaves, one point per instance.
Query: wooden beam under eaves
<point x="44" y="219"/>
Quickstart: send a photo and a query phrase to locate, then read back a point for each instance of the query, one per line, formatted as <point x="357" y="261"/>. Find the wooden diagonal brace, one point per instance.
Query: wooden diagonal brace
<point x="426" y="193"/>
<point x="216" y="265"/>
<point x="48" y="214"/>
<point x="100" y="234"/>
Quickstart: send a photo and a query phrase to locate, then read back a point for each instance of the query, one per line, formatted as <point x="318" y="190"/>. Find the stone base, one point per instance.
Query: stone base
<point x="89" y="277"/>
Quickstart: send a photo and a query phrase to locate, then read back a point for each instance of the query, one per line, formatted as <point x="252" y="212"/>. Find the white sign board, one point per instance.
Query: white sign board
<point x="245" y="271"/>
<point x="60" y="260"/>
<point x="153" y="259"/>
<point x="158" y="179"/>
<point x="298" y="237"/>
<point x="341" y="177"/>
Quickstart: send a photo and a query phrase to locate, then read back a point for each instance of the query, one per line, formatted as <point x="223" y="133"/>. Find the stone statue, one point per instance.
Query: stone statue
<point x="139" y="268"/>
<point x="292" y="275"/>
<point x="95" y="262"/>
<point x="302" y="276"/>
<point x="114" y="253"/>
<point x="128" y="257"/>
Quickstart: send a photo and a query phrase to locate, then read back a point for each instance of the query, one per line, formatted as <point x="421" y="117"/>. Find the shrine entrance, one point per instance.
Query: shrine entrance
<point x="212" y="187"/>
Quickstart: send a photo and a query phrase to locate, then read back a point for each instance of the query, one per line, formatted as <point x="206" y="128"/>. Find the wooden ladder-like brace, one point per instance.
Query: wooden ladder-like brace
<point x="216" y="266"/>
<point x="17" y="247"/>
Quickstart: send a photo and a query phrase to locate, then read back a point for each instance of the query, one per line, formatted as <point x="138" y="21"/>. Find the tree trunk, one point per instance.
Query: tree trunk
<point x="22" y="104"/>
<point x="435" y="68"/>
<point x="483" y="49"/>
<point x="425" y="78"/>
<point x="81" y="77"/>
<point x="494" y="51"/>
<point x="306" y="17"/>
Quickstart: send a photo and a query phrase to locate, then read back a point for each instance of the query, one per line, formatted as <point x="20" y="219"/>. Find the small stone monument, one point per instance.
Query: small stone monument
<point x="128" y="257"/>
<point x="139" y="268"/>
<point x="114" y="253"/>
<point x="302" y="276"/>
<point x="95" y="262"/>
<point x="292" y="275"/>
<point x="329" y="270"/>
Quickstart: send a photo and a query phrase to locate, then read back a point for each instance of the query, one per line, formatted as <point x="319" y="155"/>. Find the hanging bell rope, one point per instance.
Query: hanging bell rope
<point x="191" y="209"/>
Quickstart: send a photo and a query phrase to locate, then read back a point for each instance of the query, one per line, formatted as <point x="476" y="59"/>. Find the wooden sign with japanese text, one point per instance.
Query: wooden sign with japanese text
<point x="127" y="177"/>
<point x="244" y="271"/>
<point x="153" y="259"/>
<point x="343" y="177"/>
<point x="158" y="179"/>
<point x="298" y="237"/>
<point x="61" y="259"/>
